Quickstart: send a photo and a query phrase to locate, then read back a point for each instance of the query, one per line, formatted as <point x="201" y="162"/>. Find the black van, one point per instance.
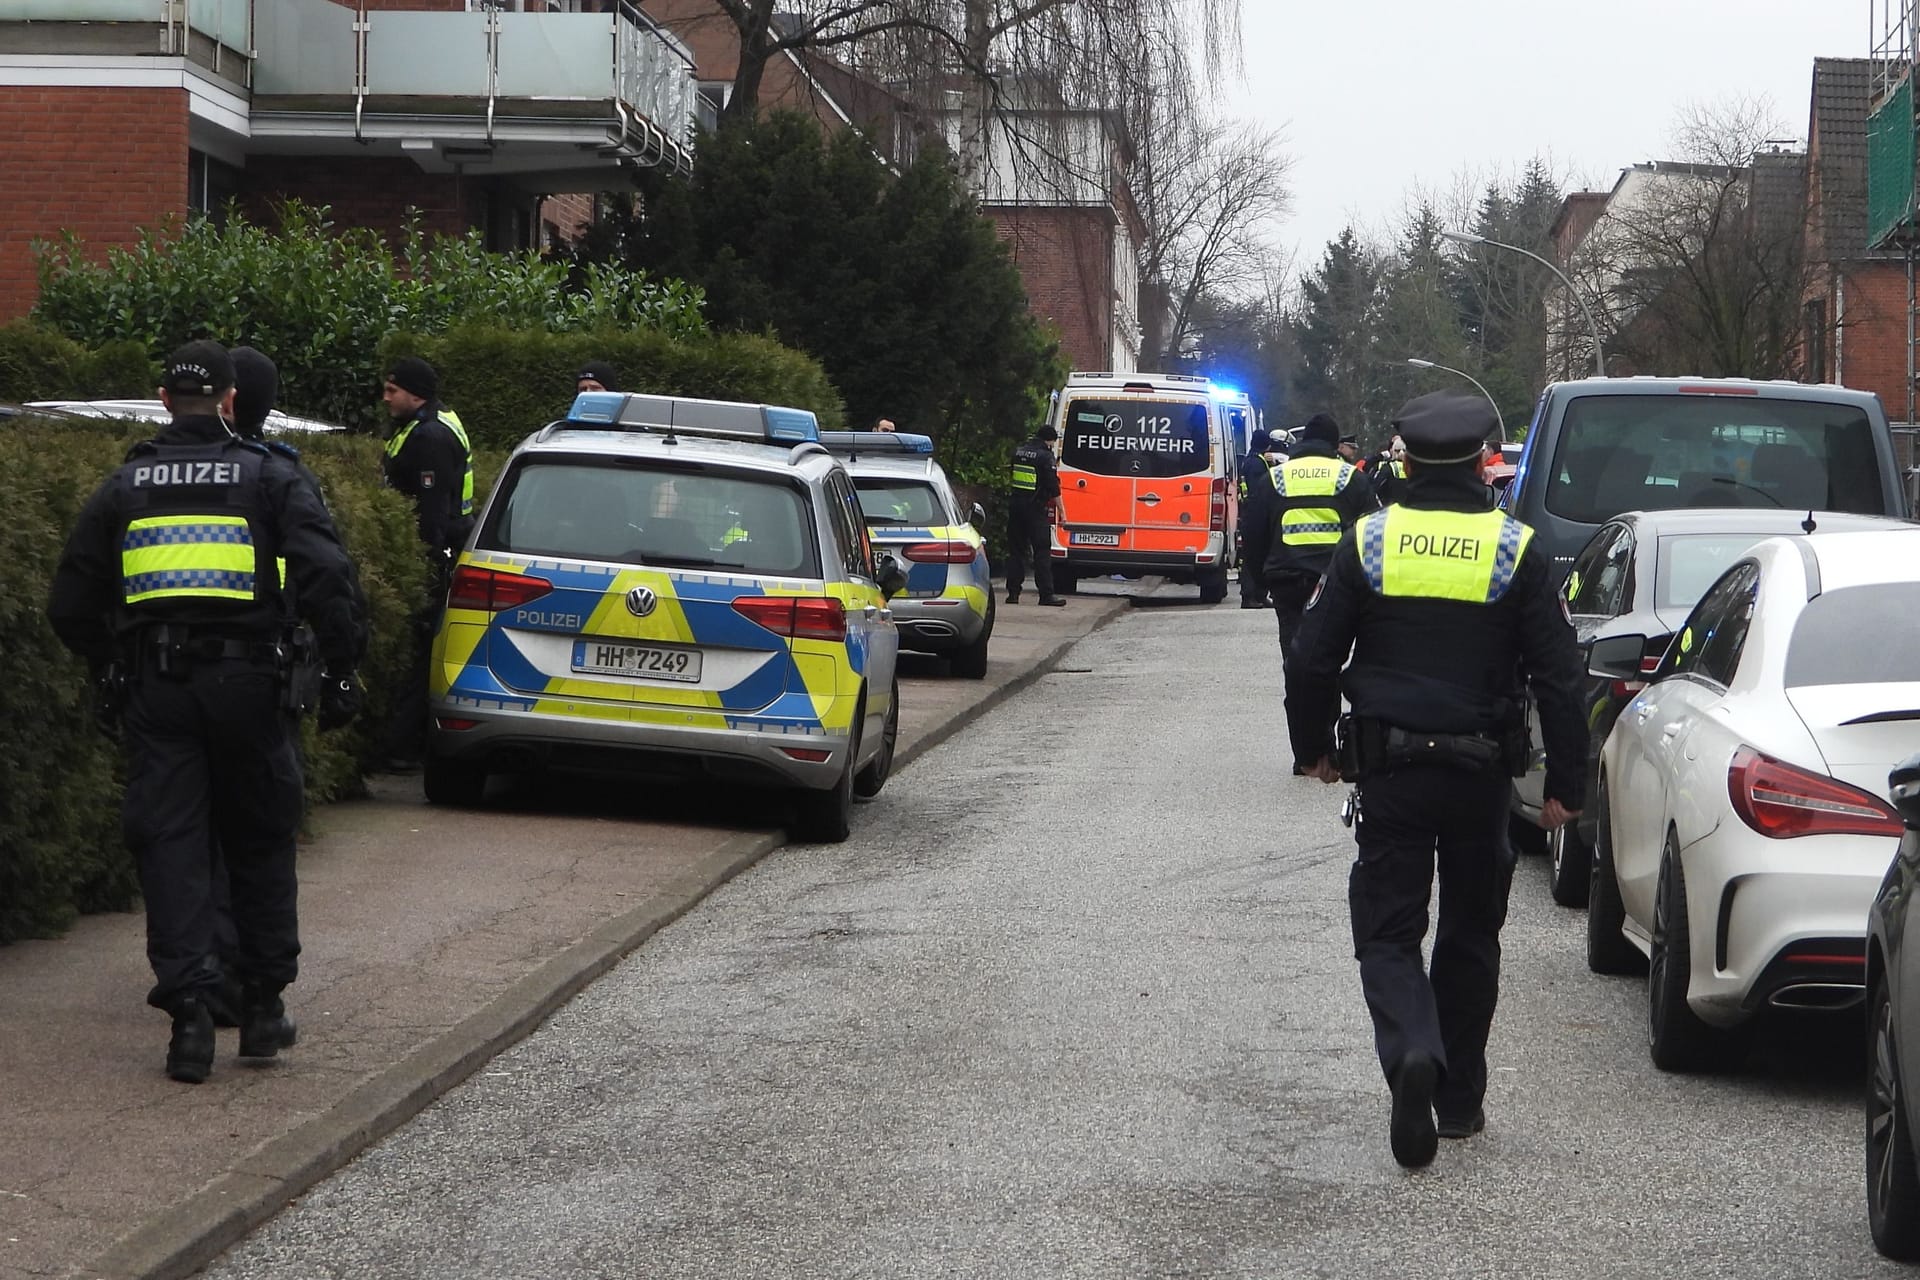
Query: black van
<point x="1601" y="446"/>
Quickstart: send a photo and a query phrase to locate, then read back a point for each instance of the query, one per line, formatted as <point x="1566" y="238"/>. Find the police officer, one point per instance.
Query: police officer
<point x="428" y="457"/>
<point x="1446" y="607"/>
<point x="171" y="571"/>
<point x="1036" y="486"/>
<point x="1255" y="485"/>
<point x="1315" y="498"/>
<point x="1388" y="471"/>
<point x="595" y="375"/>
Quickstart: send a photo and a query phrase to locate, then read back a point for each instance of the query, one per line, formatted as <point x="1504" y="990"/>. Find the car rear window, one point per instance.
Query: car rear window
<point x="1147" y="438"/>
<point x="1651" y="453"/>
<point x="1857" y="635"/>
<point x="1689" y="563"/>
<point x="910" y="503"/>
<point x="644" y="515"/>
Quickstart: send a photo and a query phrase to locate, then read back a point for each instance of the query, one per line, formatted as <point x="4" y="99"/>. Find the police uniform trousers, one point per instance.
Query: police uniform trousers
<point x="1412" y="819"/>
<point x="1290" y="593"/>
<point x="1029" y="537"/>
<point x="213" y="774"/>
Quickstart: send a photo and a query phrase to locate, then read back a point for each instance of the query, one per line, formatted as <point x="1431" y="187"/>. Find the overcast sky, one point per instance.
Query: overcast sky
<point x="1376" y="96"/>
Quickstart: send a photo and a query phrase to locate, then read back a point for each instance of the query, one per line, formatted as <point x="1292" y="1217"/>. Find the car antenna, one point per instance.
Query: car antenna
<point x="1808" y="525"/>
<point x="670" y="438"/>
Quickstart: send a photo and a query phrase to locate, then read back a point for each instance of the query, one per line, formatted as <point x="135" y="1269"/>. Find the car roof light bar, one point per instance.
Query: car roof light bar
<point x="856" y="442"/>
<point x="679" y="415"/>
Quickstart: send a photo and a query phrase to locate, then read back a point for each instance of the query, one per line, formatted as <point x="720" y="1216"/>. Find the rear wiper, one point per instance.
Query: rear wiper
<point x="1884" y="717"/>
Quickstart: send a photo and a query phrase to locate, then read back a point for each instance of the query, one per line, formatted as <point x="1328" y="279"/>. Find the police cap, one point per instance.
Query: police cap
<point x="256" y="385"/>
<point x="1445" y="427"/>
<point x="200" y="368"/>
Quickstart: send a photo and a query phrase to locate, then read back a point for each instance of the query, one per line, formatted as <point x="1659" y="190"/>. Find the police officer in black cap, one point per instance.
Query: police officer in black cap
<point x="172" y="574"/>
<point x="1035" y="487"/>
<point x="1447" y="608"/>
<point x="596" y="375"/>
<point x="428" y="456"/>
<point x="1314" y="498"/>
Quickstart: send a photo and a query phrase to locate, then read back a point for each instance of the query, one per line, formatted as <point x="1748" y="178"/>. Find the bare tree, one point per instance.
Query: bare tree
<point x="1699" y="265"/>
<point x="1210" y="194"/>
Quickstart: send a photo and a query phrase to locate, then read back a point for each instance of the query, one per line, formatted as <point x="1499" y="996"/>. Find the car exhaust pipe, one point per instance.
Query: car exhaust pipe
<point x="934" y="630"/>
<point x="1817" y="995"/>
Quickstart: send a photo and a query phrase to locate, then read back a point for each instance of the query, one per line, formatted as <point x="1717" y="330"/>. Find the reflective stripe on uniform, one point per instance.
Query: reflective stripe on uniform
<point x="1025" y="477"/>
<point x="1310" y="478"/>
<point x="1442" y="555"/>
<point x="163" y="557"/>
<point x="452" y="420"/>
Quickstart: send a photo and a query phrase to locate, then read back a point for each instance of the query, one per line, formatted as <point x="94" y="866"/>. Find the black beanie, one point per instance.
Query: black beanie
<point x="256" y="386"/>
<point x="601" y="372"/>
<point x="1321" y="427"/>
<point x="411" y="373"/>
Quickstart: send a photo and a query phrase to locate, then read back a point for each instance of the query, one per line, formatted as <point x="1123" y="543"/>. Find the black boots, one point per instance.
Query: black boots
<point x="265" y="1028"/>
<point x="1411" y="1130"/>
<point x="190" y="1052"/>
<point x="1053" y="602"/>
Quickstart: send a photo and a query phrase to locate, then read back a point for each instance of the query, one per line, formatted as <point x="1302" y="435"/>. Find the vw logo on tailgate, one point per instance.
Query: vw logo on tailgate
<point x="641" y="601"/>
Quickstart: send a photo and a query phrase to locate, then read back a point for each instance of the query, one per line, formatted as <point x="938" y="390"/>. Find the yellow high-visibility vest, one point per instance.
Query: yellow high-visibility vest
<point x="1470" y="556"/>
<point x="203" y="556"/>
<point x="1302" y="526"/>
<point x="452" y="420"/>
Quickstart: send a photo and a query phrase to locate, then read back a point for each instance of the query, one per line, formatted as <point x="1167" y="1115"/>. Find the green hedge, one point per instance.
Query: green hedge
<point x="506" y="383"/>
<point x="38" y="364"/>
<point x="60" y="844"/>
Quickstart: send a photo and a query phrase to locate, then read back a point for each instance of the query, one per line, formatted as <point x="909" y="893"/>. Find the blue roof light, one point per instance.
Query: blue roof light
<point x="791" y="426"/>
<point x="596" y="406"/>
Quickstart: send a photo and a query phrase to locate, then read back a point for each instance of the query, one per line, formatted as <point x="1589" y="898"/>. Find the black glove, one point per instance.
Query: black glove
<point x="339" y="700"/>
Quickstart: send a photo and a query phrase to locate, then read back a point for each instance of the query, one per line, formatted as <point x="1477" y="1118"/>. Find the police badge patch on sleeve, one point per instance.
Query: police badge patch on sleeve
<point x="426" y="479"/>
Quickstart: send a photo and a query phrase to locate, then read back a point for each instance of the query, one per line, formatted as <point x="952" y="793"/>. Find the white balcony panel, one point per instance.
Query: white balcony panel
<point x="222" y="20"/>
<point x="154" y="11"/>
<point x="427" y="54"/>
<point x="556" y="55"/>
<point x="305" y="47"/>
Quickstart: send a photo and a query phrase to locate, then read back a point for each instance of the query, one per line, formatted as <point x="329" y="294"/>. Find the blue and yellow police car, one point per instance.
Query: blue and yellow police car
<point x="674" y="588"/>
<point x="913" y="513"/>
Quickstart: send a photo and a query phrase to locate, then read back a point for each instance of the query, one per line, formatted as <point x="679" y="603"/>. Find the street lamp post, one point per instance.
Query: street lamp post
<point x="1593" y="326"/>
<point x="1497" y="415"/>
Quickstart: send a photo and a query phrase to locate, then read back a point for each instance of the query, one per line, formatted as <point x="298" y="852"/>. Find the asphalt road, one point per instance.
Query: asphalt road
<point x="1078" y="1000"/>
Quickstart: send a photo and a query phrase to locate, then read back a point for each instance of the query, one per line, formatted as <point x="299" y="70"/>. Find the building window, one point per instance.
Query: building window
<point x="1814" y="367"/>
<point x="211" y="184"/>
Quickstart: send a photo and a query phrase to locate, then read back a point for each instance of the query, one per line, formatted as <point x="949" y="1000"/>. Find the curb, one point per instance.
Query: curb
<point x="194" y="1233"/>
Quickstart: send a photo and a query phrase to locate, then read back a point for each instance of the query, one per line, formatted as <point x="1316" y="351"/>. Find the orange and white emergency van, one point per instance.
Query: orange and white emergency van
<point x="1149" y="480"/>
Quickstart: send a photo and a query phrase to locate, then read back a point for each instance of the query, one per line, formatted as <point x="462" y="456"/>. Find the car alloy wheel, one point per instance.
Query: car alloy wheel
<point x="1677" y="1039"/>
<point x="1893" y="1183"/>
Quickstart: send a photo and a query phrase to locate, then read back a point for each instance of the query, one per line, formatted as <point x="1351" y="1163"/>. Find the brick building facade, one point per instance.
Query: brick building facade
<point x="109" y="127"/>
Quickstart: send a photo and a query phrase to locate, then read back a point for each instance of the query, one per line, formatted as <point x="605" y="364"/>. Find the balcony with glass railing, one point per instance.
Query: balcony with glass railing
<point x="214" y="34"/>
<point x="485" y="76"/>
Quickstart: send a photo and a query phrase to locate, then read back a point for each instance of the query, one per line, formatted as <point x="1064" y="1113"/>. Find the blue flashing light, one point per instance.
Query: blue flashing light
<point x="913" y="442"/>
<point x="877" y="442"/>
<point x="596" y="406"/>
<point x="789" y="426"/>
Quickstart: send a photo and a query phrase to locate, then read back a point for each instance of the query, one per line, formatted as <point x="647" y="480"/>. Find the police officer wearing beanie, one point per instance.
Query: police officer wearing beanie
<point x="428" y="457"/>
<point x="596" y="375"/>
<point x="1315" y="498"/>
<point x="172" y="576"/>
<point x="1447" y="608"/>
<point x="1035" y="488"/>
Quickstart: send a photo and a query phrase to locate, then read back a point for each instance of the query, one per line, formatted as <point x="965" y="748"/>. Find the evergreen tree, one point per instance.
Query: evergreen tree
<point x="1335" y="332"/>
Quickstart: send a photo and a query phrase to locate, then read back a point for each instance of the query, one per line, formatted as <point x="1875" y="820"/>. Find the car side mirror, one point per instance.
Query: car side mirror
<point x="1616" y="657"/>
<point x="979" y="516"/>
<point x="1904" y="786"/>
<point x="891" y="577"/>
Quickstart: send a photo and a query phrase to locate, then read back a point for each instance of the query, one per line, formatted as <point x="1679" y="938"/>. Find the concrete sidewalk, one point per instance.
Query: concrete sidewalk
<point x="434" y="938"/>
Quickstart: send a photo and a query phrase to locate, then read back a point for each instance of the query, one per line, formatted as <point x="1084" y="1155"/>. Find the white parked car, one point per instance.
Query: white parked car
<point x="1743" y="829"/>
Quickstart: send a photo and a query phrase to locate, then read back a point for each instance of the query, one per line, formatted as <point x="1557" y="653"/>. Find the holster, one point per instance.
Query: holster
<point x="1472" y="752"/>
<point x="1360" y="744"/>
<point x="299" y="671"/>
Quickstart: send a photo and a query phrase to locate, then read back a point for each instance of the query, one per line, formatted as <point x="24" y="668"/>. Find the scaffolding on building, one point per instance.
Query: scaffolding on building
<point x="1893" y="185"/>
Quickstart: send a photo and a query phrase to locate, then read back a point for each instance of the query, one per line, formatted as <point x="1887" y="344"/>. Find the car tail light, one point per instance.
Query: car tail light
<point x="802" y="617"/>
<point x="1719" y="391"/>
<point x="939" y="552"/>
<point x="491" y="590"/>
<point x="1783" y="801"/>
<point x="812" y="755"/>
<point x="451" y="722"/>
<point x="1217" y="508"/>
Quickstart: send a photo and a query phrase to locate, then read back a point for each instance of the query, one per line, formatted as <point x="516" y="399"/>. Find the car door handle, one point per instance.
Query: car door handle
<point x="1150" y="499"/>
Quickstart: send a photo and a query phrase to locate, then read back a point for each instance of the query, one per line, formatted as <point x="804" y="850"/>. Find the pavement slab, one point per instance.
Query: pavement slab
<point x="434" y="938"/>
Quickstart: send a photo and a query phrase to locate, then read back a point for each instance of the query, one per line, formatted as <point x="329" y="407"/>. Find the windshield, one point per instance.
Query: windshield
<point x="911" y="503"/>
<point x="639" y="515"/>
<point x="1852" y="636"/>
<point x="1690" y="563"/>
<point x="1145" y="438"/>
<point x="1651" y="453"/>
